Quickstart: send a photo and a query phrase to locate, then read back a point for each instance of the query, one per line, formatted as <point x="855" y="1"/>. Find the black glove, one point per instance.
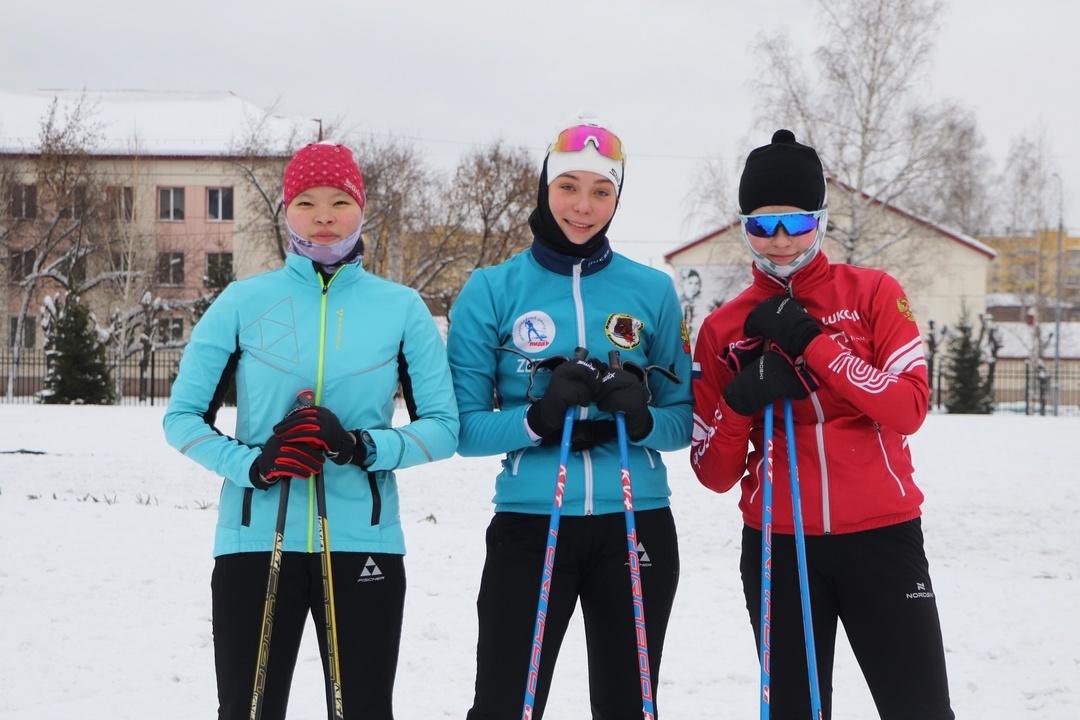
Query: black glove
<point x="280" y="459"/>
<point x="740" y="354"/>
<point x="767" y="380"/>
<point x="625" y="392"/>
<point x="573" y="383"/>
<point x="587" y="434"/>
<point x="318" y="427"/>
<point x="785" y="321"/>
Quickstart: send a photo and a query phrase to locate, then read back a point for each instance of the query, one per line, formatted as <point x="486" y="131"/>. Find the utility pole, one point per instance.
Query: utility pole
<point x="1057" y="307"/>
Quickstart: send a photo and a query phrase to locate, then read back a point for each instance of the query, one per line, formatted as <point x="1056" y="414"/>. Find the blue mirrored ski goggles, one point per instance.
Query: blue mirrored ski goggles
<point x="796" y="223"/>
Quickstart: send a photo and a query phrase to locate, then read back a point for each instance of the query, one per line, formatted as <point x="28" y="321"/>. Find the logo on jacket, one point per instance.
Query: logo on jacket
<point x="533" y="331"/>
<point x="274" y="332"/>
<point x="904" y="307"/>
<point x="624" y="331"/>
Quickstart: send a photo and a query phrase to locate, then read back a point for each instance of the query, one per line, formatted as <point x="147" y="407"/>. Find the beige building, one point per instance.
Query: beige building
<point x="1023" y="277"/>
<point x="941" y="270"/>
<point x="165" y="182"/>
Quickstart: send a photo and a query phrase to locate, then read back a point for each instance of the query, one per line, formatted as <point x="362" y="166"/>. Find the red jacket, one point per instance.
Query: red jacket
<point x="851" y="433"/>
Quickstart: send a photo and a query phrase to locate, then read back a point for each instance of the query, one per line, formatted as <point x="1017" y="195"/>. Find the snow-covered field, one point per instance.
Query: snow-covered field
<point x="105" y="538"/>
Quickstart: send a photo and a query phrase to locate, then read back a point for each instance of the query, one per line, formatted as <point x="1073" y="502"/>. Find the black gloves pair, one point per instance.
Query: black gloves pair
<point x="307" y="437"/>
<point x="580" y="382"/>
<point x="762" y="378"/>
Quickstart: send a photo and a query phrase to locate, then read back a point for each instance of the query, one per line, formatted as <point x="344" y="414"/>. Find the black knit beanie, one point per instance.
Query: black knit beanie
<point x="782" y="173"/>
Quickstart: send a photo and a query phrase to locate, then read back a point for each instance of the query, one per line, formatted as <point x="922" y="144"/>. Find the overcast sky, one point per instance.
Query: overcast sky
<point x="673" y="78"/>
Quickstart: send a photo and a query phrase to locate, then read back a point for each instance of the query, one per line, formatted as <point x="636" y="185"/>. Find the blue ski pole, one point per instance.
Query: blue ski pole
<point x="549" y="560"/>
<point x="804" y="575"/>
<point x="647" y="703"/>
<point x="766" y="564"/>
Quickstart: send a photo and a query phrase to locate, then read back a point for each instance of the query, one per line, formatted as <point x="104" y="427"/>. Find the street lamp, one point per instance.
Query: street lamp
<point x="1057" y="308"/>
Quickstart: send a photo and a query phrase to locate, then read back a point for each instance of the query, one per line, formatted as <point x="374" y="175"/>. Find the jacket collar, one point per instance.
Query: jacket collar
<point x="801" y="281"/>
<point x="556" y="262"/>
<point x="306" y="272"/>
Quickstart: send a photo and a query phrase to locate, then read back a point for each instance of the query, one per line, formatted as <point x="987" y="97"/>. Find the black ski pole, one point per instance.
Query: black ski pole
<point x="307" y="399"/>
<point x="259" y="692"/>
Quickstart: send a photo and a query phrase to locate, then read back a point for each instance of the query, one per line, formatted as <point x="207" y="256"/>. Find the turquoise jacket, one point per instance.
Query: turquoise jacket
<point x="540" y="304"/>
<point x="352" y="339"/>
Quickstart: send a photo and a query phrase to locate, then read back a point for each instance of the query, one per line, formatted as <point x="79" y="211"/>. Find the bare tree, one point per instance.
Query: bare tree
<point x="53" y="246"/>
<point x="864" y="115"/>
<point x="260" y="156"/>
<point x="496" y="187"/>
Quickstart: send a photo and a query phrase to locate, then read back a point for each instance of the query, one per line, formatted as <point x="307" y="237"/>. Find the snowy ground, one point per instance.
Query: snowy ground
<point x="105" y="538"/>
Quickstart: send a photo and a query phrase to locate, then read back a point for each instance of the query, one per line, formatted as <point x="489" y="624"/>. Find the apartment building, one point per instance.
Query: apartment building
<point x="160" y="204"/>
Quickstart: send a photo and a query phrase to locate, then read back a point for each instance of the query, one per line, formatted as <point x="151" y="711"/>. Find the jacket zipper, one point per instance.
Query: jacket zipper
<point x="312" y="509"/>
<point x="583" y="413"/>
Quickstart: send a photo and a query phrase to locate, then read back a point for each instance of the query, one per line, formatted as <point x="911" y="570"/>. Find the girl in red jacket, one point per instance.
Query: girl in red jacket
<point x="842" y="343"/>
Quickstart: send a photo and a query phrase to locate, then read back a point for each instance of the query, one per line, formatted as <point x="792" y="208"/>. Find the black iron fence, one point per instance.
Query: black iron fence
<point x="144" y="379"/>
<point x="1019" y="386"/>
<point x="1026" y="387"/>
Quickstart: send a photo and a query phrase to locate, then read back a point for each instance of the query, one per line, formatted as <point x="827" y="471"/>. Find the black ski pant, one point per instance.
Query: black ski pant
<point x="591" y="564"/>
<point x="369" y="598"/>
<point x="877" y="582"/>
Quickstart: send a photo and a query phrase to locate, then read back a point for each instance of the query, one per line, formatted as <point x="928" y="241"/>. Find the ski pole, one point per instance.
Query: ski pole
<point x="259" y="692"/>
<point x="804" y="574"/>
<point x="648" y="708"/>
<point x="766" y="564"/>
<point x="329" y="616"/>
<point x="533" y="678"/>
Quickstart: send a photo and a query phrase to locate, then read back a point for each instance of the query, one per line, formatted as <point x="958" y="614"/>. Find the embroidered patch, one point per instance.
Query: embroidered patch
<point x="534" y="331"/>
<point x="624" y="331"/>
<point x="904" y="307"/>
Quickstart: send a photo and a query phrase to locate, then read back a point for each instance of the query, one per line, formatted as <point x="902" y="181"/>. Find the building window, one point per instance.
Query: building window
<point x="218" y="270"/>
<point x="29" y="334"/>
<point x="1072" y="269"/>
<point x="22" y="202"/>
<point x="219" y="203"/>
<point x="171" y="330"/>
<point x="171" y="268"/>
<point x="20" y="265"/>
<point x="73" y="205"/>
<point x="171" y="203"/>
<point x="120" y="202"/>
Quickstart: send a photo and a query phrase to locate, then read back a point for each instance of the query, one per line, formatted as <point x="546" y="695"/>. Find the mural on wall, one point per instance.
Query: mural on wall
<point x="702" y="289"/>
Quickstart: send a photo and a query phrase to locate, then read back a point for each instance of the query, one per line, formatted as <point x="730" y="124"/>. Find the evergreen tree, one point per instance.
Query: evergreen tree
<point x="968" y="391"/>
<point x="78" y="371"/>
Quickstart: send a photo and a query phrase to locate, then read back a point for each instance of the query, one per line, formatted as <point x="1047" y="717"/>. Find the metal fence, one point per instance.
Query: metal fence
<point x="1026" y="388"/>
<point x="147" y="380"/>
<point x="137" y="380"/>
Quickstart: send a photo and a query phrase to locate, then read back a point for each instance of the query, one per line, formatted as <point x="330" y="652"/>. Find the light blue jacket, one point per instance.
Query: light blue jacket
<point x="351" y="339"/>
<point x="541" y="303"/>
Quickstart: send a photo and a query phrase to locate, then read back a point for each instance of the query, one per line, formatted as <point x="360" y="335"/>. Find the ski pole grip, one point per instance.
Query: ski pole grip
<point x="613" y="360"/>
<point x="305" y="398"/>
<point x="581" y="353"/>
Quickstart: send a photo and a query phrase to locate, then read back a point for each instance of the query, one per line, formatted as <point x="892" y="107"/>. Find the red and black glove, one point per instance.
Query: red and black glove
<point x="318" y="427"/>
<point x="771" y="377"/>
<point x="573" y="383"/>
<point x="784" y="320"/>
<point x="280" y="459"/>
